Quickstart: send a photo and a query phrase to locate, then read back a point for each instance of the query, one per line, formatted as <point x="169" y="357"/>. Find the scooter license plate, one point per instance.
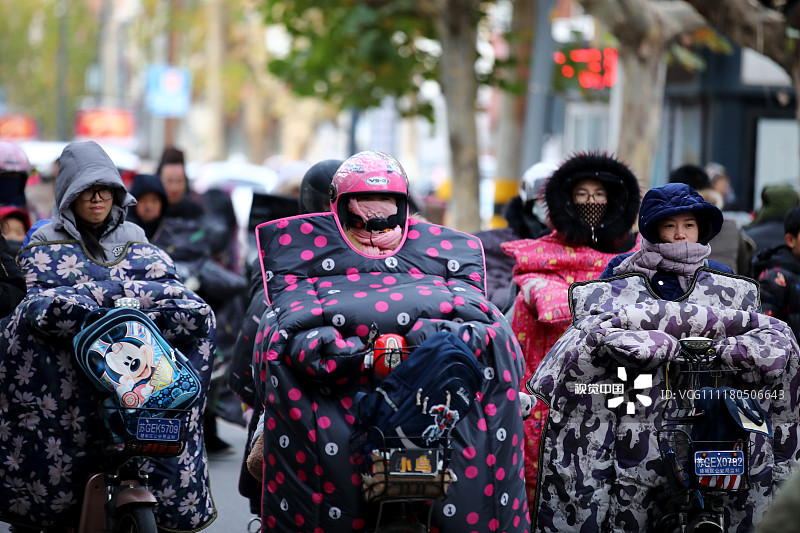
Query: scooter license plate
<point x="161" y="429"/>
<point x="414" y="462"/>
<point x="719" y="463"/>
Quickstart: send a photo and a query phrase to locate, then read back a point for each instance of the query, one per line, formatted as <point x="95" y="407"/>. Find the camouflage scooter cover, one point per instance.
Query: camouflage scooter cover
<point x="600" y="468"/>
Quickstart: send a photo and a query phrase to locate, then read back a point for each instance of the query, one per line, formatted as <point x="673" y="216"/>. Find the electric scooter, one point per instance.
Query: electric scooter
<point x="704" y="459"/>
<point x="139" y="425"/>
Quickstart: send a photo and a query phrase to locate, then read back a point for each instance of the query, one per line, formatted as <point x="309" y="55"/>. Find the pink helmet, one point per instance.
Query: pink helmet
<point x="369" y="173"/>
<point x="13" y="158"/>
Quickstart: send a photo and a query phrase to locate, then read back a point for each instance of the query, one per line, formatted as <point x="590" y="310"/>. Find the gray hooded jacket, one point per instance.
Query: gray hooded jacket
<point x="82" y="165"/>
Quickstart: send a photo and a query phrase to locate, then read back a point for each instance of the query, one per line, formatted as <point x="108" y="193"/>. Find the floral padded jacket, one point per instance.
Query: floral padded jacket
<point x="50" y="431"/>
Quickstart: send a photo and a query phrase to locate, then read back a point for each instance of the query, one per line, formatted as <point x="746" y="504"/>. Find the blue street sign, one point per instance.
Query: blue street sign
<point x="169" y="91"/>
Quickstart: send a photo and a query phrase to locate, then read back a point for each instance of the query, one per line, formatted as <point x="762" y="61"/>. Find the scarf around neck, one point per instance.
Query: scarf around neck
<point x="679" y="258"/>
<point x="375" y="243"/>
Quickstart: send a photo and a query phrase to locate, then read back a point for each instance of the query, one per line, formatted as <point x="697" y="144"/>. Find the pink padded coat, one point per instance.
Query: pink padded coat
<point x="545" y="269"/>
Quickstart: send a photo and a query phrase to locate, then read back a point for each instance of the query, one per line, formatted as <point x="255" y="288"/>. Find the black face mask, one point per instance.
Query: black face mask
<point x="14" y="246"/>
<point x="591" y="214"/>
<point x="376" y="224"/>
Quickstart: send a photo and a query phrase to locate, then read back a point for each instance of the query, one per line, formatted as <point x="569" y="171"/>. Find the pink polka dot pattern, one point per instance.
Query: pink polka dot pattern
<point x="325" y="298"/>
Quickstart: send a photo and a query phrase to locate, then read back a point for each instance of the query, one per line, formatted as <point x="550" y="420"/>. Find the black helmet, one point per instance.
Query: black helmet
<point x="314" y="197"/>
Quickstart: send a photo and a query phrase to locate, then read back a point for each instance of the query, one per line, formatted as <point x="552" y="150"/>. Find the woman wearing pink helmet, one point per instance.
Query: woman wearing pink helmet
<point x="369" y="197"/>
<point x="334" y="279"/>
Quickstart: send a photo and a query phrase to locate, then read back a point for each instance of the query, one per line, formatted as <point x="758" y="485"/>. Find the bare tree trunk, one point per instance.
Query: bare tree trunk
<point x="254" y="123"/>
<point x="644" y="29"/>
<point x="457" y="32"/>
<point x="795" y="74"/>
<point x="512" y="106"/>
<point x="215" y="46"/>
<point x="643" y="97"/>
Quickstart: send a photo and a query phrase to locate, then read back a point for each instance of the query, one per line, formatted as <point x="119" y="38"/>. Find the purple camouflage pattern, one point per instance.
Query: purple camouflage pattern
<point x="600" y="468"/>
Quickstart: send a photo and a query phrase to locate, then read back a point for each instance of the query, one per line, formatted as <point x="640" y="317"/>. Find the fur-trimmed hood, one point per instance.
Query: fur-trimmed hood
<point x="613" y="233"/>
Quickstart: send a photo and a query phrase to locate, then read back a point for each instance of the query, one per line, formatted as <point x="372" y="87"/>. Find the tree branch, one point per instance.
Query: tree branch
<point x="634" y="22"/>
<point x="678" y="17"/>
<point x="749" y="24"/>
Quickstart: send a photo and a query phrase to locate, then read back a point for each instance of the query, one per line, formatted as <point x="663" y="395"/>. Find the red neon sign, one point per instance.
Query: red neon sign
<point x="594" y="68"/>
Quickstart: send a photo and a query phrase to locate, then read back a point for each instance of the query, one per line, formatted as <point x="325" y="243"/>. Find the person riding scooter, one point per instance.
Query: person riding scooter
<point x="608" y="378"/>
<point x="85" y="259"/>
<point x="328" y="279"/>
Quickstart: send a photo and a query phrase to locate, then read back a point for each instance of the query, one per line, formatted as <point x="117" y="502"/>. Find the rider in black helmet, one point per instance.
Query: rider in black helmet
<point x="314" y="196"/>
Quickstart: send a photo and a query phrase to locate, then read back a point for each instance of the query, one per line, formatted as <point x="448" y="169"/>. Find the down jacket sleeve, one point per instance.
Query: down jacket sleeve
<point x="322" y="354"/>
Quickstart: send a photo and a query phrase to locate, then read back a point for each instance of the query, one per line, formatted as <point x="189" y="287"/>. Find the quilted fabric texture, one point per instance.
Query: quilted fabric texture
<point x="544" y="271"/>
<point x="50" y="431"/>
<point x="309" y="351"/>
<point x="601" y="469"/>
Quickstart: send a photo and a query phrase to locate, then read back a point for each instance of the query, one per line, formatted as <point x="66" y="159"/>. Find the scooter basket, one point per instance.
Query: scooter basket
<point x="402" y="474"/>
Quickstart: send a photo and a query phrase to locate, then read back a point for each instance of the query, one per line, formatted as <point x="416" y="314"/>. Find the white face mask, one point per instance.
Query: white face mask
<point x="540" y="210"/>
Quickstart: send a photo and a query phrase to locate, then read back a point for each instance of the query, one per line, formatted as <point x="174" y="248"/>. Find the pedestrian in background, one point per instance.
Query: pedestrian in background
<point x="14" y="170"/>
<point x="151" y="202"/>
<point x="766" y="230"/>
<point x="526" y="215"/>
<point x="778" y="273"/>
<point x="16" y="223"/>
<point x="197" y="239"/>
<point x="12" y="283"/>
<point x="721" y="182"/>
<point x="181" y="201"/>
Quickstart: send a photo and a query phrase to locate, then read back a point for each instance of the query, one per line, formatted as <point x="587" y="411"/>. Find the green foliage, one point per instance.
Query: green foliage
<point x="29" y="56"/>
<point x="356" y="54"/>
<point x="686" y="51"/>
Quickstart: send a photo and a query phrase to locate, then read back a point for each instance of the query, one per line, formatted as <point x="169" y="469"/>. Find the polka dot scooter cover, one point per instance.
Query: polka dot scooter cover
<point x="324" y="297"/>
